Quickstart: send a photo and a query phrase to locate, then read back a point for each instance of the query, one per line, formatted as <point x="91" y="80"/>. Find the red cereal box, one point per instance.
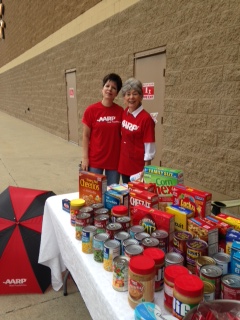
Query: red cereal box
<point x="145" y="198"/>
<point x="92" y="187"/>
<point x="153" y="219"/>
<point x="196" y="200"/>
<point x="222" y="226"/>
<point x="150" y="187"/>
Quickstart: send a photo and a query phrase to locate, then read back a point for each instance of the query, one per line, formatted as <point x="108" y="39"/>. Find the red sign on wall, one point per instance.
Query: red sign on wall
<point x="71" y="93"/>
<point x="148" y="91"/>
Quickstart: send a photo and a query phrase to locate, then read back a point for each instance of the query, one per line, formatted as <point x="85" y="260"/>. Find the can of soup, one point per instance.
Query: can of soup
<point x="112" y="229"/>
<point x="125" y="222"/>
<point x="222" y="260"/>
<point x="212" y="273"/>
<point x="82" y="220"/>
<point x="140" y="236"/>
<point x="100" y="222"/>
<point x="162" y="237"/>
<point x="128" y="242"/>
<point x="120" y="273"/>
<point x="230" y="287"/>
<point x="121" y="236"/>
<point x="135" y="229"/>
<point x="88" y="210"/>
<point x="133" y="250"/>
<point x="150" y="242"/>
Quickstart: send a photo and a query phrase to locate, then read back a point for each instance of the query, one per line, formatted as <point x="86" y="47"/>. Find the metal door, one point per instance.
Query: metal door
<point x="72" y="106"/>
<point x="149" y="68"/>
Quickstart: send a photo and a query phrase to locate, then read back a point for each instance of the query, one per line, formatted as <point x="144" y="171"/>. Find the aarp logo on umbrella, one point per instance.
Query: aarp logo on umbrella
<point x="16" y="282"/>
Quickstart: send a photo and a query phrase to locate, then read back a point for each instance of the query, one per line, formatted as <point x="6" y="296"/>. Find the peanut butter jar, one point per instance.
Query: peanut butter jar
<point x="141" y="280"/>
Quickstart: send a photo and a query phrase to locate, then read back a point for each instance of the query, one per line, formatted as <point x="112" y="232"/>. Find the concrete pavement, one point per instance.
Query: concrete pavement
<point x="33" y="158"/>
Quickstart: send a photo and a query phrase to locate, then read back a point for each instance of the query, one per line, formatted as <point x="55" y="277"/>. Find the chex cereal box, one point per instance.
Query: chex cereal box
<point x="199" y="228"/>
<point x="233" y="221"/>
<point x="92" y="187"/>
<point x="113" y="198"/>
<point x="150" y="187"/>
<point x="153" y="219"/>
<point x="145" y="198"/>
<point x="196" y="200"/>
<point x="165" y="179"/>
<point x="181" y="216"/>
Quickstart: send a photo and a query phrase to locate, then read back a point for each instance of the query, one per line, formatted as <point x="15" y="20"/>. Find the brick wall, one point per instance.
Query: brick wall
<point x="202" y="94"/>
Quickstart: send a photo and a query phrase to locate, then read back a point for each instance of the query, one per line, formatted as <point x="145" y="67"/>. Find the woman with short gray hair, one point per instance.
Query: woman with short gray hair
<point x="138" y="132"/>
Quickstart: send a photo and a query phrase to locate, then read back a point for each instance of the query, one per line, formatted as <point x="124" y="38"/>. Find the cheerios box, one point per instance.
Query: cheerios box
<point x="92" y="187"/>
<point x="196" y="200"/>
<point x="145" y="198"/>
<point x="164" y="179"/>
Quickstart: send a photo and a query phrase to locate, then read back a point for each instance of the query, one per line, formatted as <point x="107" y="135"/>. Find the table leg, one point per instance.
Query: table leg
<point x="65" y="283"/>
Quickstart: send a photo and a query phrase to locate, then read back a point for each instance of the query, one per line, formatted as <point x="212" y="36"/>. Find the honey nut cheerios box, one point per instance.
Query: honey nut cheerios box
<point x="196" y="200"/>
<point x="92" y="187"/>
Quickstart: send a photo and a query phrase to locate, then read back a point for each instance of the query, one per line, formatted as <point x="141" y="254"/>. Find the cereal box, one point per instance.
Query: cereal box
<point x="181" y="216"/>
<point x="196" y="200"/>
<point x="145" y="198"/>
<point x="199" y="228"/>
<point x="165" y="179"/>
<point x="113" y="198"/>
<point x="92" y="187"/>
<point x="153" y="219"/>
<point x="150" y="187"/>
<point x="233" y="221"/>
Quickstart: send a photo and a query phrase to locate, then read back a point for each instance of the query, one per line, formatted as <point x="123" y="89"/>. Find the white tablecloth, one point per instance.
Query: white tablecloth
<point x="60" y="249"/>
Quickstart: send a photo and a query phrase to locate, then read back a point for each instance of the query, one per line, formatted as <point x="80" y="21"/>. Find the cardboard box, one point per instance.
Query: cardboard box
<point x="164" y="179"/>
<point x="113" y="198"/>
<point x="66" y="205"/>
<point x="199" y="228"/>
<point x="196" y="200"/>
<point x="145" y="198"/>
<point x="181" y="216"/>
<point x="232" y="221"/>
<point x="153" y="219"/>
<point x="92" y="187"/>
<point x="150" y="187"/>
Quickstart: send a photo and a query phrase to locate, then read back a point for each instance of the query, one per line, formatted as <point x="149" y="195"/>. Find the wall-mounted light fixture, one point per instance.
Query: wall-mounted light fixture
<point x="2" y="23"/>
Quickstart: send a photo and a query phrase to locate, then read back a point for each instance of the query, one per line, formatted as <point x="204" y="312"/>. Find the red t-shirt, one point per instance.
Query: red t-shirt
<point x="105" y="139"/>
<point x="135" y="132"/>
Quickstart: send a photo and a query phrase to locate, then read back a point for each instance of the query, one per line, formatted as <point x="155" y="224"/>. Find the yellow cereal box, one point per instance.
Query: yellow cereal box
<point x="92" y="187"/>
<point x="232" y="221"/>
<point x="181" y="216"/>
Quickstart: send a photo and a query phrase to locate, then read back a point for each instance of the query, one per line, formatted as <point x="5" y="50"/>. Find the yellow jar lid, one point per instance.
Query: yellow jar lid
<point x="77" y="202"/>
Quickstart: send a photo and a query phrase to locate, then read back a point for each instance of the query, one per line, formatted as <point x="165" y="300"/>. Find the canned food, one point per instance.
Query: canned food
<point x="128" y="242"/>
<point x="120" y="273"/>
<point x="222" y="260"/>
<point x="100" y="222"/>
<point x="98" y="246"/>
<point x="140" y="236"/>
<point x="180" y="239"/>
<point x="208" y="291"/>
<point x="212" y="273"/>
<point x="230" y="287"/>
<point x="195" y="249"/>
<point x="125" y="222"/>
<point x="133" y="250"/>
<point x="82" y="220"/>
<point x="88" y="210"/>
<point x="172" y="258"/>
<point x="150" y="242"/>
<point x="112" y="229"/>
<point x="121" y="236"/>
<point x="87" y="238"/>
<point x="110" y="251"/>
<point x="97" y="206"/>
<point x="201" y="261"/>
<point x="162" y="237"/>
<point x="135" y="229"/>
<point x="101" y="211"/>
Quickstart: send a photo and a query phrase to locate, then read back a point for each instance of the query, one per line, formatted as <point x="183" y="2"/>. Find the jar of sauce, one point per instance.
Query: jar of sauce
<point x="75" y="206"/>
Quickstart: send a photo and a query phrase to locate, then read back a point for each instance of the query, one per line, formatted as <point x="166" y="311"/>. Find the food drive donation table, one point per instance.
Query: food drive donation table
<point x="60" y="250"/>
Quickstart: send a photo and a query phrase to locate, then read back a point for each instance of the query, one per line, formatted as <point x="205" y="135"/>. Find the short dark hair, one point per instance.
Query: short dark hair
<point x="115" y="78"/>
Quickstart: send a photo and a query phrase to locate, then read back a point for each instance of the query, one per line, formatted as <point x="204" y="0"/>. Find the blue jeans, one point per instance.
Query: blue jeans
<point x="112" y="175"/>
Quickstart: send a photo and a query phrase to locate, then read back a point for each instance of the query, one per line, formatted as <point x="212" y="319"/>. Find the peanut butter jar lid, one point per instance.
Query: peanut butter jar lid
<point x="77" y="202"/>
<point x="156" y="254"/>
<point x="189" y="285"/>
<point x="172" y="271"/>
<point x="142" y="265"/>
<point x="120" y="210"/>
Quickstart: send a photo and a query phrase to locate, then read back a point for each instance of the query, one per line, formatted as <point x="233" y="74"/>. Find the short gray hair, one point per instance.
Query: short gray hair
<point x="132" y="84"/>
